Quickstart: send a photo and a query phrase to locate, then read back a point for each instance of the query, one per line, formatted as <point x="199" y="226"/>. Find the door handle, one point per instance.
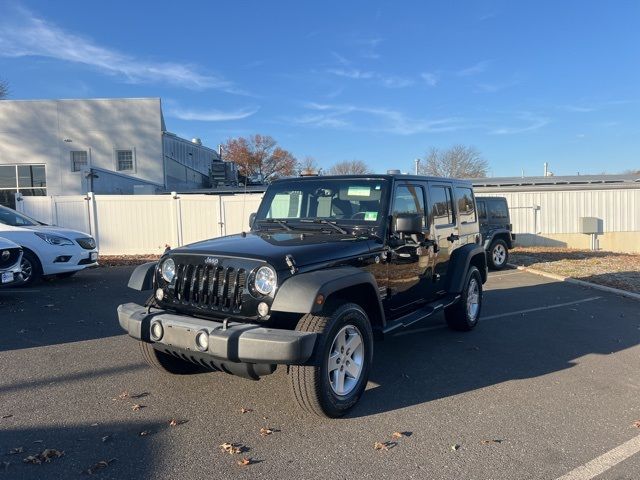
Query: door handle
<point x="453" y="237"/>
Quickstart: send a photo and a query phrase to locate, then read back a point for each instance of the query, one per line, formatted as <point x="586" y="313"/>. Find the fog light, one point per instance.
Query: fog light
<point x="202" y="340"/>
<point x="159" y="294"/>
<point x="156" y="331"/>
<point x="263" y="309"/>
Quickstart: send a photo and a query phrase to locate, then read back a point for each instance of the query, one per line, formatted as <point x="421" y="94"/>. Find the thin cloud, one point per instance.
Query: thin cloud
<point x="475" y="69"/>
<point x="531" y="122"/>
<point x="430" y="79"/>
<point x="23" y="34"/>
<point x="211" y="115"/>
<point x="388" y="81"/>
<point x="373" y="119"/>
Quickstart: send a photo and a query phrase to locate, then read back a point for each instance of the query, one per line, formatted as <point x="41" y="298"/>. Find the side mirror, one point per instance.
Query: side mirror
<point x="407" y="223"/>
<point x="252" y="218"/>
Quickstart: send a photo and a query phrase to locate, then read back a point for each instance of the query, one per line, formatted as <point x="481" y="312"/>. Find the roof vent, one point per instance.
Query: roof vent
<point x="393" y="172"/>
<point x="196" y="140"/>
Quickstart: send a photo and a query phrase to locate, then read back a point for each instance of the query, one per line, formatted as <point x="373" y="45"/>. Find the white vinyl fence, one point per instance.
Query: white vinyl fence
<point x="144" y="224"/>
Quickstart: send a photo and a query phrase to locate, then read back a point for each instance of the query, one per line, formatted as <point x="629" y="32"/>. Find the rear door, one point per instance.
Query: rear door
<point x="446" y="235"/>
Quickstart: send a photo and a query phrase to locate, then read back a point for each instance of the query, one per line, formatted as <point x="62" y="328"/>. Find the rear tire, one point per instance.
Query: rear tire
<point x="464" y="314"/>
<point x="498" y="254"/>
<point x="165" y="362"/>
<point x="342" y="359"/>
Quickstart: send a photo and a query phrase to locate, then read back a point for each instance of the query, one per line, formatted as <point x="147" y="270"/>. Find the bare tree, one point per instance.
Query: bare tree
<point x="459" y="161"/>
<point x="350" y="167"/>
<point x="260" y="155"/>
<point x="309" y="166"/>
<point x="4" y="89"/>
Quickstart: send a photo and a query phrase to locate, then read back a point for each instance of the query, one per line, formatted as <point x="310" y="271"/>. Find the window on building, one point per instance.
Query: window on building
<point x="442" y="202"/>
<point x="125" y="160"/>
<point x="79" y="160"/>
<point x="466" y="208"/>
<point x="29" y="180"/>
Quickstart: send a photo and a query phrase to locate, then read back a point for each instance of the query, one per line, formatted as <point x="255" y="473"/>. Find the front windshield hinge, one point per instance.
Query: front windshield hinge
<point x="291" y="263"/>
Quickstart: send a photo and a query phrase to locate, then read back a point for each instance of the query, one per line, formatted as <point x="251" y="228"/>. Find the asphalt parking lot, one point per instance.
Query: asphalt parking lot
<point x="549" y="382"/>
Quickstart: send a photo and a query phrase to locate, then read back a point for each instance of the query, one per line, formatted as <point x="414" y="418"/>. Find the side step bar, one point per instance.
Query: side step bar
<point x="418" y="315"/>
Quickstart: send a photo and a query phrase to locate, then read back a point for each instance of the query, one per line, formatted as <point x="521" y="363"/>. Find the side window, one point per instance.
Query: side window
<point x="442" y="210"/>
<point x="482" y="210"/>
<point x="498" y="210"/>
<point x="466" y="209"/>
<point x="409" y="199"/>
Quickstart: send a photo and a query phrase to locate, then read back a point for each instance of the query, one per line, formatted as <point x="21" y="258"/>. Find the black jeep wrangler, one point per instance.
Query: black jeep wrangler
<point x="495" y="228"/>
<point x="329" y="263"/>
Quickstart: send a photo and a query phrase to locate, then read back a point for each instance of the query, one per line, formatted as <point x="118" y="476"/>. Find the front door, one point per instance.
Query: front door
<point x="443" y="217"/>
<point x="409" y="262"/>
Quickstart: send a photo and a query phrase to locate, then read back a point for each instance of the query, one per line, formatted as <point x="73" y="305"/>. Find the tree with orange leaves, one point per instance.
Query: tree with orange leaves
<point x="260" y="155"/>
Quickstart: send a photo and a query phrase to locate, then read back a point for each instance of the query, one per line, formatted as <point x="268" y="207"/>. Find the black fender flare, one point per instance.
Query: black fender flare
<point x="142" y="277"/>
<point x="498" y="232"/>
<point x="298" y="294"/>
<point x="459" y="265"/>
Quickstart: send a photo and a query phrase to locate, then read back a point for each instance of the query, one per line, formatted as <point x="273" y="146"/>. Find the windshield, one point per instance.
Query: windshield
<point x="348" y="202"/>
<point x="15" y="219"/>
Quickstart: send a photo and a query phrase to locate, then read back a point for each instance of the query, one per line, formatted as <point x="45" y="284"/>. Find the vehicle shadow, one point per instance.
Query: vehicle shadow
<point x="434" y="363"/>
<point x="82" y="307"/>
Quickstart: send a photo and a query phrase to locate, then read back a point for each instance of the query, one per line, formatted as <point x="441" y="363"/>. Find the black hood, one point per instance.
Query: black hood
<point x="273" y="246"/>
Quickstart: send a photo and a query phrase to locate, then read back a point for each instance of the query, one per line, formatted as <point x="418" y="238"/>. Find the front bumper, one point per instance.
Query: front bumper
<point x="228" y="341"/>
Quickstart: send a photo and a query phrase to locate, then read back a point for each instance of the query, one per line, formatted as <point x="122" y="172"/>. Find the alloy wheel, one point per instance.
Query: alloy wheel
<point x="346" y="360"/>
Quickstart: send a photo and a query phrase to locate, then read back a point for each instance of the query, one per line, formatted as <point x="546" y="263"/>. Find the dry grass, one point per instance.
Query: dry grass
<point x="120" y="260"/>
<point x="618" y="270"/>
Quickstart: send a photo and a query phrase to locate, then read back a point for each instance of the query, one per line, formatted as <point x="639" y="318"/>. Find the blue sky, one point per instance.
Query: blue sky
<point x="524" y="82"/>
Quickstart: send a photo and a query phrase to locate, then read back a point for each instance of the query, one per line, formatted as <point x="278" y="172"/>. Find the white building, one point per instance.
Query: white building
<point x="109" y="146"/>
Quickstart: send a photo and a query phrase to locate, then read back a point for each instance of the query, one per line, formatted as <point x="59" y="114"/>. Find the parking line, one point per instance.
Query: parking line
<point x="501" y="315"/>
<point x="537" y="309"/>
<point x="604" y="462"/>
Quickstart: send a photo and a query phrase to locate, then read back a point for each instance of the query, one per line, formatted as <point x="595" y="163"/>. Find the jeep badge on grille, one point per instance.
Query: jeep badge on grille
<point x="211" y="261"/>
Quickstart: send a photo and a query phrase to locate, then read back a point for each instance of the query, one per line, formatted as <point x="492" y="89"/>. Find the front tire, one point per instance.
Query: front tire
<point x="165" y="362"/>
<point x="498" y="254"/>
<point x="464" y="314"/>
<point x="342" y="359"/>
<point x="31" y="269"/>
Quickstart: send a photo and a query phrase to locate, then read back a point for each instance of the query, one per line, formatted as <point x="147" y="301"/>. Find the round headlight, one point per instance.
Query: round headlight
<point x="168" y="269"/>
<point x="5" y="254"/>
<point x="265" y="280"/>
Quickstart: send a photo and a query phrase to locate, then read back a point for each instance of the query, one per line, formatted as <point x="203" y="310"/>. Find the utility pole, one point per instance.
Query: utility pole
<point x="417" y="160"/>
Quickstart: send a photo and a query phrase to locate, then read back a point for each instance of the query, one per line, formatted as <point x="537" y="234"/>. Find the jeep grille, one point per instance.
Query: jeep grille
<point x="210" y="287"/>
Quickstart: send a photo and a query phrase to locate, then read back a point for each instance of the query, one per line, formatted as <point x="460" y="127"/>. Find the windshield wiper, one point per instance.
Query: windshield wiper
<point x="322" y="221"/>
<point x="282" y="223"/>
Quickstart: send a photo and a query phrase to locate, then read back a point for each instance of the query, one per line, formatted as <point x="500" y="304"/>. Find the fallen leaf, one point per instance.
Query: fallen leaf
<point x="231" y="448"/>
<point x="636" y="424"/>
<point x="265" y="431"/>
<point x="106" y="438"/>
<point x="492" y="440"/>
<point x="33" y="459"/>
<point x="50" y="453"/>
<point x="396" y="435"/>
<point x="135" y="407"/>
<point x="244" y="462"/>
<point x="380" y="446"/>
<point x="455" y="447"/>
<point x="173" y="422"/>
<point x="246" y="410"/>
<point x="101" y="465"/>
<point x="144" y="433"/>
<point x="94" y="424"/>
<point x="122" y="395"/>
<point x="13" y="451"/>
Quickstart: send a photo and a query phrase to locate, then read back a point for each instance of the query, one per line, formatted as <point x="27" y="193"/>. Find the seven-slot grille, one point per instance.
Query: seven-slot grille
<point x="210" y="287"/>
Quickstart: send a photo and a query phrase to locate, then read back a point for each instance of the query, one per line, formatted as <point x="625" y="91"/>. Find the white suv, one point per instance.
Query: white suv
<point x="47" y="250"/>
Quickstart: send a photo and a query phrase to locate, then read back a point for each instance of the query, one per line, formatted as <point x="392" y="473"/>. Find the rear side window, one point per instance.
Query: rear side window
<point x="442" y="201"/>
<point x="498" y="210"/>
<point x="466" y="208"/>
<point x="482" y="210"/>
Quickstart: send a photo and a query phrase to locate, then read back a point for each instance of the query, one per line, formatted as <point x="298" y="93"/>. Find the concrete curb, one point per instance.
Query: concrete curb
<point x="582" y="283"/>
